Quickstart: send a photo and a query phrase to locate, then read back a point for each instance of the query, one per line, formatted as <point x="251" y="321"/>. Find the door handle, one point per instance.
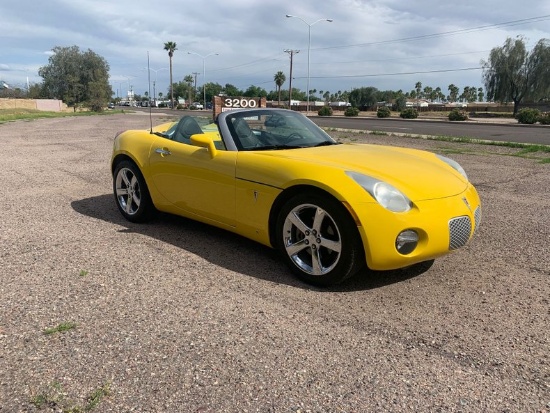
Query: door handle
<point x="163" y="151"/>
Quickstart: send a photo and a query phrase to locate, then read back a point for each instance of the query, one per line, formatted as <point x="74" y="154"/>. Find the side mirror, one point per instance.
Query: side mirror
<point x="204" y="141"/>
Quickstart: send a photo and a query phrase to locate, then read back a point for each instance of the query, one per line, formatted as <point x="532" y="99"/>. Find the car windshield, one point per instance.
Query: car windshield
<point x="264" y="130"/>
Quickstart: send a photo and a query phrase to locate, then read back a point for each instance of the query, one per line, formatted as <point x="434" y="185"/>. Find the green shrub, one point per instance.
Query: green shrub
<point x="528" y="116"/>
<point x="383" y="112"/>
<point x="179" y="107"/>
<point x="325" y="111"/>
<point x="351" y="111"/>
<point x="409" y="113"/>
<point x="544" y="118"/>
<point x="456" y="114"/>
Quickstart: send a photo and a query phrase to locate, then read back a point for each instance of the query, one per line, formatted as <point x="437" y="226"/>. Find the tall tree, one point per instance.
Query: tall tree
<point x="480" y="94"/>
<point x="279" y="79"/>
<point x="453" y="92"/>
<point x="232" y="90"/>
<point x="513" y="74"/>
<point x="171" y="48"/>
<point x="363" y="97"/>
<point x="210" y="90"/>
<point x="439" y="95"/>
<point x="418" y="89"/>
<point x="77" y="77"/>
<point x="189" y="79"/>
<point x="255" y="91"/>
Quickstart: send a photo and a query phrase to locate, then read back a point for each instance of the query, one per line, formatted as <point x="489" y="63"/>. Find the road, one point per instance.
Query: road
<point x="175" y="316"/>
<point x="498" y="131"/>
<point x="514" y="132"/>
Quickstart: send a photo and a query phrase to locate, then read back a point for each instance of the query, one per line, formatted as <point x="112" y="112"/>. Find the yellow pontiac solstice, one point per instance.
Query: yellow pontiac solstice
<point x="275" y="177"/>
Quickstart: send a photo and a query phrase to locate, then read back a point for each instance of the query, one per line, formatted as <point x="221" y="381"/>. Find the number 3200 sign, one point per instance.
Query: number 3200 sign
<point x="235" y="103"/>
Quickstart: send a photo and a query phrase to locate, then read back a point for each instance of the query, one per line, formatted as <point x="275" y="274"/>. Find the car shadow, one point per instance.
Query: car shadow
<point x="225" y="249"/>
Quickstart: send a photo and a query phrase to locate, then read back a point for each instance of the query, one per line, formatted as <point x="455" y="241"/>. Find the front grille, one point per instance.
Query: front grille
<point x="460" y="229"/>
<point x="477" y="218"/>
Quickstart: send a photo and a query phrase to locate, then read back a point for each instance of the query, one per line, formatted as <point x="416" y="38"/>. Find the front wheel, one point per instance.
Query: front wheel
<point x="318" y="239"/>
<point x="131" y="193"/>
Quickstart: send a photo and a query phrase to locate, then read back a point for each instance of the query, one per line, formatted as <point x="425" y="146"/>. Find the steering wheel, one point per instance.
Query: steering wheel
<point x="294" y="135"/>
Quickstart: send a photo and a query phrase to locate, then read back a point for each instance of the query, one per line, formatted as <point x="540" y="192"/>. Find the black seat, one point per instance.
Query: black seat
<point x="188" y="126"/>
<point x="244" y="135"/>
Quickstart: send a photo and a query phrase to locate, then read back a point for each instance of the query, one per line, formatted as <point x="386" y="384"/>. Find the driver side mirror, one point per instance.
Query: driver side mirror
<point x="204" y="141"/>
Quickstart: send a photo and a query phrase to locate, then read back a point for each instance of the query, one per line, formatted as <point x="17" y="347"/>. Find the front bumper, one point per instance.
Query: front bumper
<point x="443" y="225"/>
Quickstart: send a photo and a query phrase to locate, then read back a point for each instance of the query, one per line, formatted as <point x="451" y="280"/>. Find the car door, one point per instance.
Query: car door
<point x="193" y="181"/>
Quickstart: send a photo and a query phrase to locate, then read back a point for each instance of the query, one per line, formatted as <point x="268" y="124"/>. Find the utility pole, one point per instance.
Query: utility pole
<point x="291" y="53"/>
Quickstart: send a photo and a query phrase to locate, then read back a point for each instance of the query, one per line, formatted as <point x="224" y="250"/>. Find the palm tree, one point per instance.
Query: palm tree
<point x="171" y="48"/>
<point x="279" y="79"/>
<point x="189" y="80"/>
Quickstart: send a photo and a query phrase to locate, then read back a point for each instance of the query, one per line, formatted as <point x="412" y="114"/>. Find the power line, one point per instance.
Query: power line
<point x="395" y="74"/>
<point x="442" y="34"/>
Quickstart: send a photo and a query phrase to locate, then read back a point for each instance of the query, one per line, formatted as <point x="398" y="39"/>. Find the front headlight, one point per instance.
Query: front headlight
<point x="454" y="164"/>
<point x="385" y="194"/>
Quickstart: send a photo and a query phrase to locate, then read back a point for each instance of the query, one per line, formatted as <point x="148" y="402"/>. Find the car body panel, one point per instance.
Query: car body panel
<point x="210" y="180"/>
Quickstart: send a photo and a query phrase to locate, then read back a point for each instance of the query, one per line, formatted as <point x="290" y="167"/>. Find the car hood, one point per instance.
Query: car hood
<point x="418" y="174"/>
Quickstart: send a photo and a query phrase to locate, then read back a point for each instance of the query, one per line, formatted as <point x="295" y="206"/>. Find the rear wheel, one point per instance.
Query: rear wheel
<point x="318" y="239"/>
<point x="131" y="193"/>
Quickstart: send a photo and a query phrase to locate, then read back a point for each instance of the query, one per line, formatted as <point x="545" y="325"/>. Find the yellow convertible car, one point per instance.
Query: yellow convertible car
<point x="275" y="177"/>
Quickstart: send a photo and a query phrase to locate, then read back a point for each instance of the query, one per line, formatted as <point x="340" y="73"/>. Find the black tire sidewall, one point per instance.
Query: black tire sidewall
<point x="145" y="208"/>
<point x="352" y="255"/>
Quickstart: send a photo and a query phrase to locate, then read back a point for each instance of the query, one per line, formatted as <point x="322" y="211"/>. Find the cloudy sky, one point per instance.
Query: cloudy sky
<point x="389" y="44"/>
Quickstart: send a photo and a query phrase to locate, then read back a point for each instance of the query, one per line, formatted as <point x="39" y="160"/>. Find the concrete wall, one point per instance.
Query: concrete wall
<point x="49" y="105"/>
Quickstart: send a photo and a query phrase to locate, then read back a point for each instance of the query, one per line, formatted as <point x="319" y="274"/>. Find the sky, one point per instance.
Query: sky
<point x="390" y="44"/>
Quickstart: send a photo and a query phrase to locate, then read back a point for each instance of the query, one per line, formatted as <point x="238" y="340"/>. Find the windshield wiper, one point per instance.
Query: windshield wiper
<point x="276" y="147"/>
<point x="327" y="143"/>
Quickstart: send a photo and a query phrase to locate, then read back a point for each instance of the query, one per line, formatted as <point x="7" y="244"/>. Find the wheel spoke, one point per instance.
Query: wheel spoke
<point x="335" y="246"/>
<point x="298" y="223"/>
<point x="136" y="199"/>
<point x="318" y="220"/>
<point x="295" y="248"/>
<point x="121" y="192"/>
<point x="125" y="178"/>
<point x="133" y="183"/>
<point x="128" y="207"/>
<point x="316" y="264"/>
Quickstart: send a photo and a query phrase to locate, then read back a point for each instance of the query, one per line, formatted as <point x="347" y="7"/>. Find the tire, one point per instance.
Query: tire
<point x="318" y="239"/>
<point x="131" y="193"/>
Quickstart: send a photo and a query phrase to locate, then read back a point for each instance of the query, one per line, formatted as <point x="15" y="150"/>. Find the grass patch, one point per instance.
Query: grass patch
<point x="451" y="151"/>
<point x="61" y="328"/>
<point x="54" y="398"/>
<point x="83" y="273"/>
<point x="535" y="148"/>
<point x="525" y="149"/>
<point x="8" y="115"/>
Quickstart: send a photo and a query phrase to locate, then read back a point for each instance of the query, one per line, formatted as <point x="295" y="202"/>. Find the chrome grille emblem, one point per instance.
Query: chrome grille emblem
<point x="467" y="203"/>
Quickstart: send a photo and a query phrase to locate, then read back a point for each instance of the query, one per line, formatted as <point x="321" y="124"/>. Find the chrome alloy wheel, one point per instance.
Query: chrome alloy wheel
<point x="128" y="192"/>
<point x="312" y="239"/>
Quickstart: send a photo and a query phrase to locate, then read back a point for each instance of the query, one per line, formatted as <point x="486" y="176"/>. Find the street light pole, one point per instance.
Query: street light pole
<point x="204" y="73"/>
<point x="309" y="48"/>
<point x="155" y="82"/>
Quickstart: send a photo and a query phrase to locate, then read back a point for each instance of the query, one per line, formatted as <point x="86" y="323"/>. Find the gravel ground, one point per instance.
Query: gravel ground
<point x="175" y="316"/>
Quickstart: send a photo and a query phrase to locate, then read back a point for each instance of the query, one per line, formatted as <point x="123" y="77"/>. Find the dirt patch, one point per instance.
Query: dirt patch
<point x="175" y="316"/>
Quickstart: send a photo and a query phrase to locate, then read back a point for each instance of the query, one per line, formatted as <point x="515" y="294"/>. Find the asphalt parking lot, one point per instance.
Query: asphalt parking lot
<point x="175" y="316"/>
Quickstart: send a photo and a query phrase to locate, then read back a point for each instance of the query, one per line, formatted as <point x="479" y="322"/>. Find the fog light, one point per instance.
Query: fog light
<point x="406" y="241"/>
